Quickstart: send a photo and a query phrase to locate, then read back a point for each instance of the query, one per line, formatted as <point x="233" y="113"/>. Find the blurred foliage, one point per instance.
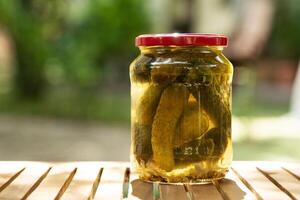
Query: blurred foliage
<point x="243" y="106"/>
<point x="101" y="41"/>
<point x="52" y="47"/>
<point x="284" y="42"/>
<point x="267" y="149"/>
<point x="30" y="47"/>
<point x="113" y="108"/>
<point x="87" y="45"/>
<point x="247" y="103"/>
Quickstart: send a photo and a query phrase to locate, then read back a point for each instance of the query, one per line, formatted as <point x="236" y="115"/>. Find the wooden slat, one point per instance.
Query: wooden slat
<point x="112" y="180"/>
<point x="111" y="183"/>
<point x="82" y="183"/>
<point x="154" y="191"/>
<point x="36" y="184"/>
<point x="170" y="192"/>
<point x="9" y="171"/>
<point x="52" y="183"/>
<point x="261" y="185"/>
<point x="232" y="186"/>
<point x="6" y="178"/>
<point x="292" y="169"/>
<point x="24" y="182"/>
<point x="247" y="184"/>
<point x="139" y="189"/>
<point x="291" y="173"/>
<point x="203" y="192"/>
<point x="66" y="184"/>
<point x="235" y="188"/>
<point x="283" y="180"/>
<point x="220" y="189"/>
<point x="96" y="184"/>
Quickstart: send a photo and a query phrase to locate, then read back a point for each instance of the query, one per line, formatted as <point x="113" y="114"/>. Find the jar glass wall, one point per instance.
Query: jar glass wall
<point x="181" y="113"/>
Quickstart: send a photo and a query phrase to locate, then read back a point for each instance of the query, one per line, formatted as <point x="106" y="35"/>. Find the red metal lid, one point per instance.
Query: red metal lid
<point x="181" y="39"/>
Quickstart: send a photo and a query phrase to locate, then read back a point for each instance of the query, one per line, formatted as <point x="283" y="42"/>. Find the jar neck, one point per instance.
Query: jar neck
<point x="178" y="49"/>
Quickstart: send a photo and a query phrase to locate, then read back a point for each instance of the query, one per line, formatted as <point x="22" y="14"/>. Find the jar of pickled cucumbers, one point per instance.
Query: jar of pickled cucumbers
<point x="181" y="108"/>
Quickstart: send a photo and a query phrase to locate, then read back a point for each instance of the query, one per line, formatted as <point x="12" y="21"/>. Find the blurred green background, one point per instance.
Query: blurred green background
<point x="64" y="82"/>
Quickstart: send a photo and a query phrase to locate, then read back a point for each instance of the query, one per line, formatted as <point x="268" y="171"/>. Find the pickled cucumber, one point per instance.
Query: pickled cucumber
<point x="140" y="72"/>
<point x="148" y="103"/>
<point x="164" y="74"/>
<point x="145" y="111"/>
<point x="207" y="147"/>
<point x="169" y="110"/>
<point x="193" y="123"/>
<point x="206" y="87"/>
<point x="218" y="111"/>
<point x="209" y="90"/>
<point x="212" y="101"/>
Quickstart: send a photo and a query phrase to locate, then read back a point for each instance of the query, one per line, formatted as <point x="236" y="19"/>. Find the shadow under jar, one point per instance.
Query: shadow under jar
<point x="181" y="108"/>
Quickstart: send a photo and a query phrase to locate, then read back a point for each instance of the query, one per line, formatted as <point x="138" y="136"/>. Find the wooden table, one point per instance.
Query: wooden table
<point x="114" y="180"/>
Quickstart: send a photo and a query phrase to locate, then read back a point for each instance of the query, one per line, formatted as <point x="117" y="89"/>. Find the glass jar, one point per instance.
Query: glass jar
<point x="181" y="108"/>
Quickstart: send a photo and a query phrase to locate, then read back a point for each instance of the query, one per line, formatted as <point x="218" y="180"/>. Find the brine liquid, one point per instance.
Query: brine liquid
<point x="181" y="129"/>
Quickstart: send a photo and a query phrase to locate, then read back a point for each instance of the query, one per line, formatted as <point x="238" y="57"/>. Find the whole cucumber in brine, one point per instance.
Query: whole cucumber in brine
<point x="212" y="94"/>
<point x="140" y="69"/>
<point x="169" y="110"/>
<point x="145" y="111"/>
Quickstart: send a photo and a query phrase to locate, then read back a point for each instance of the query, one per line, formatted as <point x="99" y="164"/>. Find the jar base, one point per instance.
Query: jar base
<point x="199" y="181"/>
<point x="191" y="174"/>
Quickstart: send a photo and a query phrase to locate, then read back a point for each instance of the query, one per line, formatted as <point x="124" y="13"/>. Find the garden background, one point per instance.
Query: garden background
<point x="64" y="82"/>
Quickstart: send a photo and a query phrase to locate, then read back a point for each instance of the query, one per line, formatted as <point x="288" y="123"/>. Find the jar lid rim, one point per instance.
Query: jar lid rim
<point x="181" y="39"/>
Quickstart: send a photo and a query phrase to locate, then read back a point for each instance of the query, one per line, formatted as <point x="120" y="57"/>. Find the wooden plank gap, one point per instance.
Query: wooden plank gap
<point x="96" y="184"/>
<point x="220" y="190"/>
<point x="36" y="184"/>
<point x="156" y="193"/>
<point x="247" y="184"/>
<point x="283" y="189"/>
<point x="189" y="192"/>
<point x="126" y="183"/>
<point x="7" y="183"/>
<point x="291" y="173"/>
<point x="65" y="185"/>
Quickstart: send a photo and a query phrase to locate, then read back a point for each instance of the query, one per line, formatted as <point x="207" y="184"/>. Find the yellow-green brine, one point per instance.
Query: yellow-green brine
<point x="181" y="108"/>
